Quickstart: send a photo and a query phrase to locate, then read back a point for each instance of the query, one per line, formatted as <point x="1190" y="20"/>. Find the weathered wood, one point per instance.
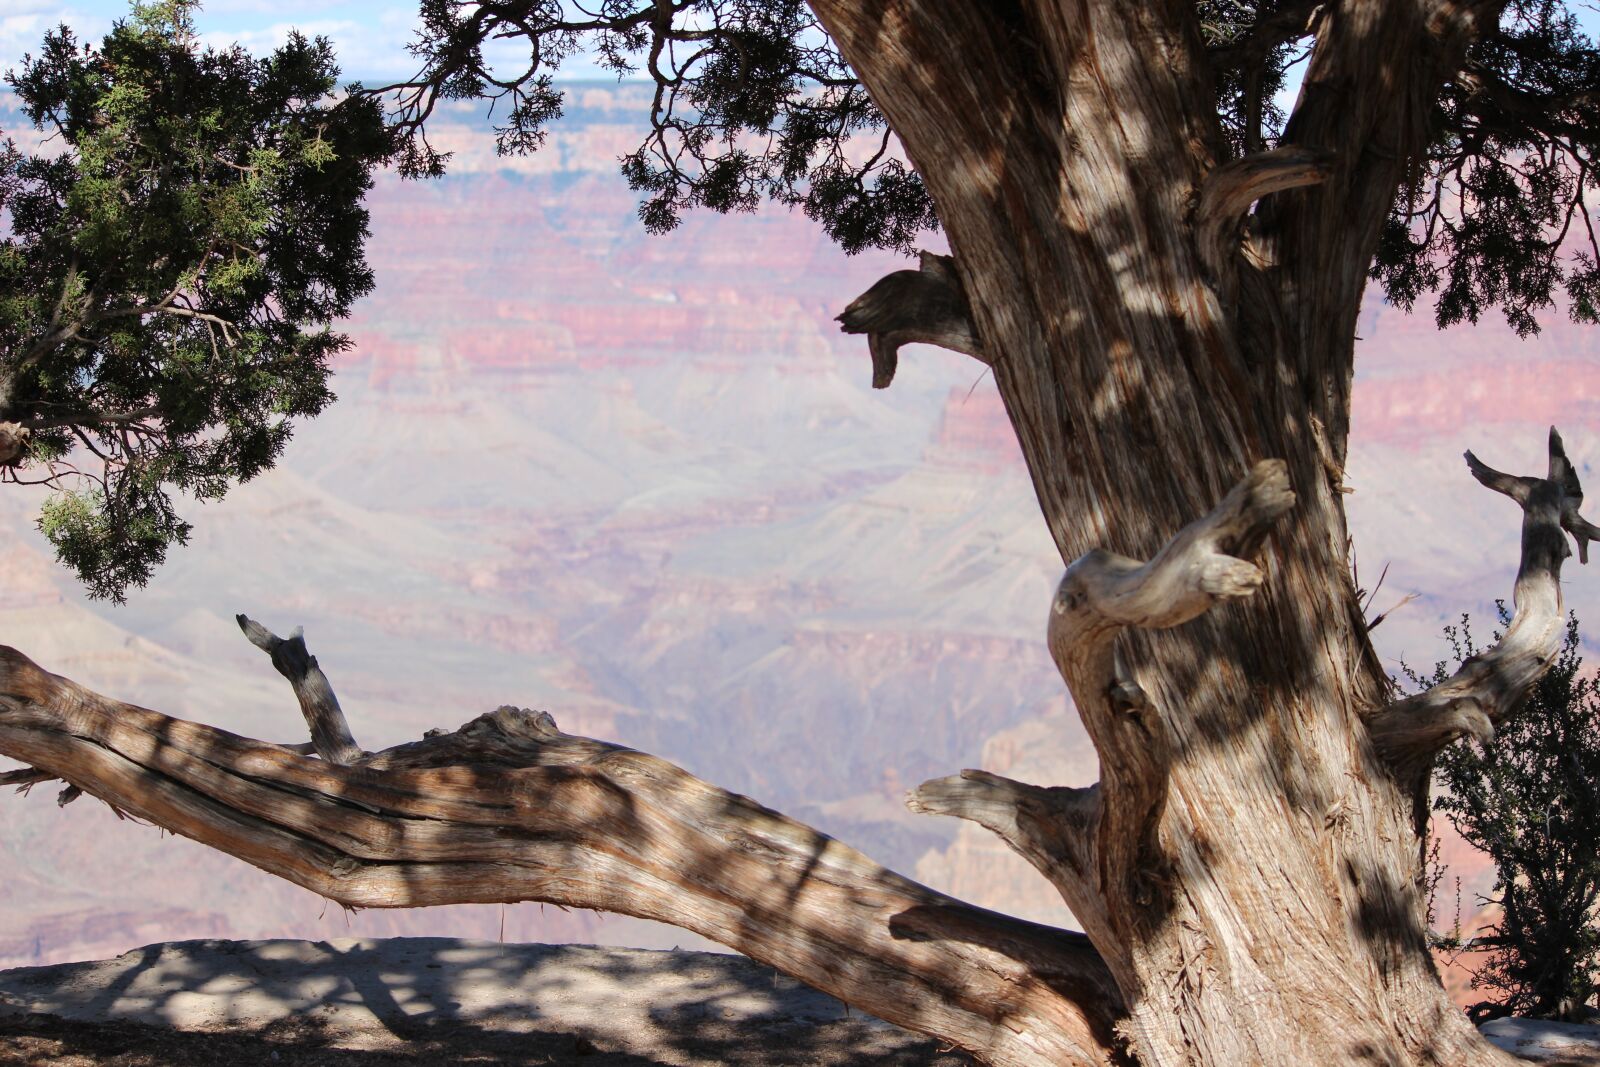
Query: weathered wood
<point x="13" y="443"/>
<point x="25" y="778"/>
<point x="909" y="306"/>
<point x="508" y="808"/>
<point x="1248" y="867"/>
<point x="1066" y="833"/>
<point x="1265" y="910"/>
<point x="1049" y="826"/>
<point x="1492" y="684"/>
<point x="1229" y="191"/>
<point x="330" y="732"/>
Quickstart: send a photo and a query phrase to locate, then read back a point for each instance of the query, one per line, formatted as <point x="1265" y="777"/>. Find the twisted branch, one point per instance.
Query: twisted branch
<point x="1066" y="833"/>
<point x="1229" y="190"/>
<point x="330" y="733"/>
<point x="1491" y="685"/>
<point x="904" y="307"/>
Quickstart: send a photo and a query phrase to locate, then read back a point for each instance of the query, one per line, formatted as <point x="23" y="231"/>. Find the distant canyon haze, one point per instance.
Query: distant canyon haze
<point x="644" y="483"/>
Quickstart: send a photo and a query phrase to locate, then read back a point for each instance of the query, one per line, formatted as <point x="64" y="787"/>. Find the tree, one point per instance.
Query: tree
<point x="176" y="253"/>
<point x="1164" y="275"/>
<point x="1530" y="798"/>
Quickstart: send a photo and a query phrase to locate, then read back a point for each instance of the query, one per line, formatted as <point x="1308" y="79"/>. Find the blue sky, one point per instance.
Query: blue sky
<point x="370" y="35"/>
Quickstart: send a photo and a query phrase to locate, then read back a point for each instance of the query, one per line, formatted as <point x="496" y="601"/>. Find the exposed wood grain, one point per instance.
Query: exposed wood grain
<point x="330" y="732"/>
<point x="1492" y="684"/>
<point x="13" y="443"/>
<point x="1265" y="910"/>
<point x="508" y="808"/>
<point x="25" y="777"/>
<point x="909" y="306"/>
<point x="1229" y="191"/>
<point x="1248" y="867"/>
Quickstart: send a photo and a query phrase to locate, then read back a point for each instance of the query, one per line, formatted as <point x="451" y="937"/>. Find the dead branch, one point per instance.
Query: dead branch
<point x="1044" y="824"/>
<point x="508" y="808"/>
<point x="1064" y="832"/>
<point x="13" y="443"/>
<point x="24" y="778"/>
<point x="330" y="733"/>
<point x="1491" y="685"/>
<point x="927" y="305"/>
<point x="1103" y="592"/>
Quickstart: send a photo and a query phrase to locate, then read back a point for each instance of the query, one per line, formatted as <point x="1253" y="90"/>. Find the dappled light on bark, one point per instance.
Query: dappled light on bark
<point x="1165" y="283"/>
<point x="507" y="808"/>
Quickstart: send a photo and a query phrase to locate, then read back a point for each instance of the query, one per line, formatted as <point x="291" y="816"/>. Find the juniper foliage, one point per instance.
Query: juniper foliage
<point x="1530" y="799"/>
<point x="177" y="244"/>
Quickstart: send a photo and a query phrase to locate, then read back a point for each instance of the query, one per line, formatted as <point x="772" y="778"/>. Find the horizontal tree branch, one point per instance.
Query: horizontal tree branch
<point x="904" y="307"/>
<point x="91" y="417"/>
<point x="1491" y="685"/>
<point x="508" y="808"/>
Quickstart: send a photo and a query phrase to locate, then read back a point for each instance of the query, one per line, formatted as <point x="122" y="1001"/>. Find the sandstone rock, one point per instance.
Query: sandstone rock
<point x="1545" y="1041"/>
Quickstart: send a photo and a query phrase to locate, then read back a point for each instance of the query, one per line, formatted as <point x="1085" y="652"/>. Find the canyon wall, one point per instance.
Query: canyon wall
<point x="643" y="483"/>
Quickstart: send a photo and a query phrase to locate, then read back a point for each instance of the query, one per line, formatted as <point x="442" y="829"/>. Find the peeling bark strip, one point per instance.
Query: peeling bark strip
<point x="508" y="808"/>
<point x="1492" y="684"/>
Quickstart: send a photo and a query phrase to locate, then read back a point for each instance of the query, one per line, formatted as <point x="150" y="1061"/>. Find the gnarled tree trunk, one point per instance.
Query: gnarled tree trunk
<point x="508" y="808"/>
<point x="1249" y="865"/>
<point x="1173" y="337"/>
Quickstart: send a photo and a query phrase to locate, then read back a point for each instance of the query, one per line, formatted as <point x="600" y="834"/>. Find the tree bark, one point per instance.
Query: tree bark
<point x="1249" y="865"/>
<point x="508" y="808"/>
<point x="1249" y="868"/>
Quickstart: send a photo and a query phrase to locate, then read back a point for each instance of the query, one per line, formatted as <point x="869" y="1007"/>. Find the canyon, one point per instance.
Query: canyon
<point x="644" y="483"/>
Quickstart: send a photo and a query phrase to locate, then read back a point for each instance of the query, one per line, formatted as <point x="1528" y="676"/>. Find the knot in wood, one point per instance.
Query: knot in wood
<point x="521" y="722"/>
<point x="1127" y="697"/>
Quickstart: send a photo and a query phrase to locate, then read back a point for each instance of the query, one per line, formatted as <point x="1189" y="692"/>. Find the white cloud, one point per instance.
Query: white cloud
<point x="25" y="23"/>
<point x="365" y="50"/>
<point x="372" y="46"/>
<point x="275" y="9"/>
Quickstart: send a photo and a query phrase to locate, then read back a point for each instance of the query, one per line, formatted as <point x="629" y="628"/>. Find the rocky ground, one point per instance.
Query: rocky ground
<point x="377" y="1002"/>
<point x="368" y="1003"/>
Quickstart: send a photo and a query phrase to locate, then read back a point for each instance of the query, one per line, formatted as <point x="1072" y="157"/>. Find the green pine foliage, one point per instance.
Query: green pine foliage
<point x="755" y="101"/>
<point x="1530" y="799"/>
<point x="175" y="254"/>
<point x="1500" y="213"/>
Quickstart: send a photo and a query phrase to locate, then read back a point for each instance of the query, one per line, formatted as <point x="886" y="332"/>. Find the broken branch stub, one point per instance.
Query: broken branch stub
<point x="330" y="733"/>
<point x="24" y="778"/>
<point x="14" y="439"/>
<point x="1103" y="592"/>
<point x="903" y="307"/>
<point x="1064" y="832"/>
<point x="1492" y="684"/>
<point x="1228" y="191"/>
